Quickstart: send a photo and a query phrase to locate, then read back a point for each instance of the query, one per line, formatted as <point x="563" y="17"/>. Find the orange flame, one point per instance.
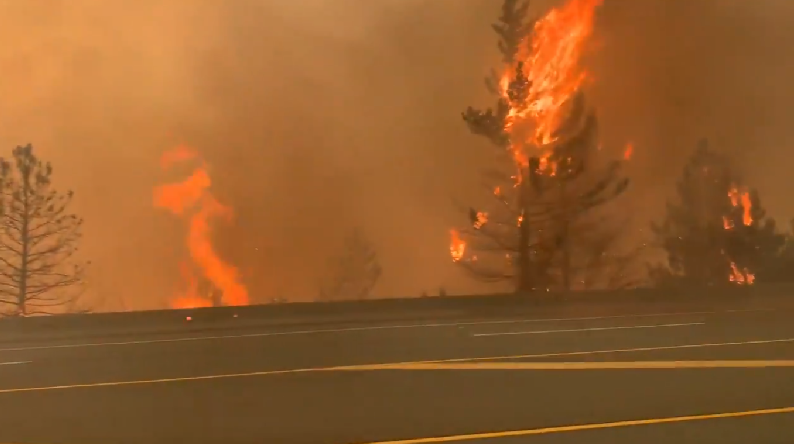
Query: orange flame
<point x="628" y="151"/>
<point x="739" y="198"/>
<point x="742" y="199"/>
<point x="482" y="219"/>
<point x="551" y="64"/>
<point x="457" y="247"/>
<point x="193" y="193"/>
<point x="747" y="217"/>
<point x="741" y="277"/>
<point x="191" y="297"/>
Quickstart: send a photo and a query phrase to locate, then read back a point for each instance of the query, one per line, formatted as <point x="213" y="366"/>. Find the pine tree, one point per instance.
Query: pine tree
<point x="543" y="191"/>
<point x="717" y="231"/>
<point x="38" y="239"/>
<point x="781" y="269"/>
<point x="355" y="272"/>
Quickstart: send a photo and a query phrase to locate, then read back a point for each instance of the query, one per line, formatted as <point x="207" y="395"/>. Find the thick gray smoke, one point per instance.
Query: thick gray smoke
<point x="320" y="115"/>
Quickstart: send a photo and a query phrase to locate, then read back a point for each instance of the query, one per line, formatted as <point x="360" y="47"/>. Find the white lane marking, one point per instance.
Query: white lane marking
<point x="622" y="327"/>
<point x="378" y="327"/>
<point x="14" y="362"/>
<point x="611" y="351"/>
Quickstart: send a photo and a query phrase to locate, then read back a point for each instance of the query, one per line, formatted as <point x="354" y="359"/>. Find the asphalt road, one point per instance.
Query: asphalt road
<point x="340" y="385"/>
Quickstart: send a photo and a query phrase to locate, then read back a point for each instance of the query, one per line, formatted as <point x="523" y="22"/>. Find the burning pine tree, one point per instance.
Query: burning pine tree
<point x="550" y="177"/>
<point x="717" y="232"/>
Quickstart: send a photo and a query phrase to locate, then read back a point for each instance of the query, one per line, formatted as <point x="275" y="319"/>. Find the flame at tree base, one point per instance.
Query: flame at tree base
<point x="191" y="298"/>
<point x="741" y="277"/>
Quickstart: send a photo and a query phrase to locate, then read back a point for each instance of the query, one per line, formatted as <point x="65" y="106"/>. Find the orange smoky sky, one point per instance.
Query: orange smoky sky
<point x="320" y="115"/>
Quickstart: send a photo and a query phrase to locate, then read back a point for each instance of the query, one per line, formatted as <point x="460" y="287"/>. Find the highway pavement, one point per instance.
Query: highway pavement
<point x="655" y="378"/>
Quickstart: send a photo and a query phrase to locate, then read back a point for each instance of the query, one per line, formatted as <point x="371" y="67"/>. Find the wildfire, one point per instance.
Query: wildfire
<point x="551" y="63"/>
<point x="457" y="247"/>
<point x="480" y="220"/>
<point x="192" y="194"/>
<point x="190" y="298"/>
<point x="741" y="277"/>
<point x="739" y="198"/>
<point x="743" y="199"/>
<point x="550" y="59"/>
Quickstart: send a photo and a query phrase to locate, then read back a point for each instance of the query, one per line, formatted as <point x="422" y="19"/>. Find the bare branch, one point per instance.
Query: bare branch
<point x="38" y="237"/>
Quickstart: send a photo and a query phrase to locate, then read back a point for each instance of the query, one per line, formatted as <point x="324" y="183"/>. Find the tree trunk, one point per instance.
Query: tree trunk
<point x="24" y="235"/>
<point x="525" y="268"/>
<point x="565" y="225"/>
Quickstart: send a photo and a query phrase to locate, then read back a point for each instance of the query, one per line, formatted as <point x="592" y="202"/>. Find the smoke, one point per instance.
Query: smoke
<point x="321" y="115"/>
<point x="671" y="72"/>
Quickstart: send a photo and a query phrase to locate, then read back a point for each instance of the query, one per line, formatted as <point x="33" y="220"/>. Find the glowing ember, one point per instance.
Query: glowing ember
<point x="193" y="194"/>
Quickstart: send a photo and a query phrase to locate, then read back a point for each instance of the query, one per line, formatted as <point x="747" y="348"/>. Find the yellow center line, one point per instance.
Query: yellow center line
<point x="614" y="365"/>
<point x="435" y="366"/>
<point x="584" y="427"/>
<point x="616" y="350"/>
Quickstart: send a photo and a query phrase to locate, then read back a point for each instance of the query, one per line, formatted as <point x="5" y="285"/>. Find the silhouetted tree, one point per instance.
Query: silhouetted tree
<point x="716" y="232"/>
<point x="38" y="239"/>
<point x="532" y="235"/>
<point x="607" y="257"/>
<point x="782" y="269"/>
<point x="355" y="272"/>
